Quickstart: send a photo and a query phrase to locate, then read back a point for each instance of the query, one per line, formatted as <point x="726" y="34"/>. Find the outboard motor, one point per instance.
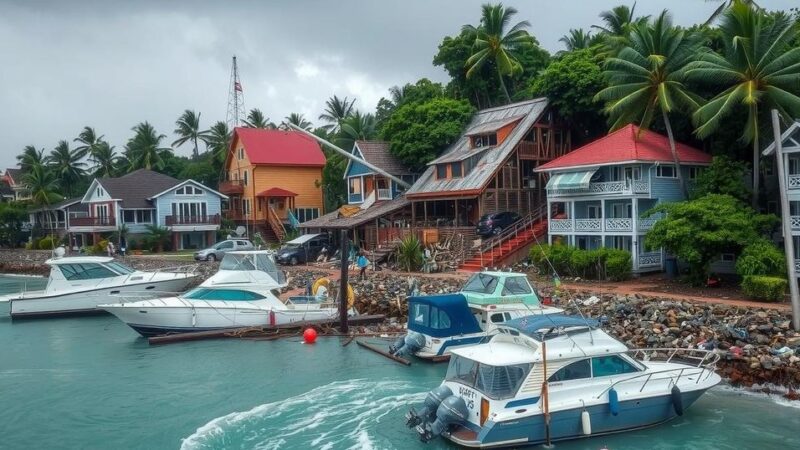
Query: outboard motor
<point x="453" y="410"/>
<point x="412" y="343"/>
<point x="428" y="411"/>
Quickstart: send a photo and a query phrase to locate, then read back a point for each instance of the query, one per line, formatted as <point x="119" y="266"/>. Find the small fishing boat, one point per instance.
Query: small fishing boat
<point x="557" y="377"/>
<point x="77" y="284"/>
<point x="437" y="324"/>
<point x="244" y="292"/>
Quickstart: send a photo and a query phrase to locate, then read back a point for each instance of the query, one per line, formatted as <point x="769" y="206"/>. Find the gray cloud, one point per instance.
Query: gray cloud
<point x="112" y="64"/>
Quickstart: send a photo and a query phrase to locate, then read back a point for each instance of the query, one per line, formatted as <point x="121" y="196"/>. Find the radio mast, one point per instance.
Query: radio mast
<point x="236" y="111"/>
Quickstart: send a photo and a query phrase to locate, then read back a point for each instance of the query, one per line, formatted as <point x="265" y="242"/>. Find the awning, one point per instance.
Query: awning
<point x="571" y="180"/>
<point x="276" y="192"/>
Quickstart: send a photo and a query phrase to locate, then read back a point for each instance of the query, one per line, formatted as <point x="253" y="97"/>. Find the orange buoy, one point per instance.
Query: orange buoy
<point x="309" y="336"/>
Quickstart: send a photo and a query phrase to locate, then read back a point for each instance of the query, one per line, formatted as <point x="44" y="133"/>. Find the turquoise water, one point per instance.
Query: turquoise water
<point x="93" y="383"/>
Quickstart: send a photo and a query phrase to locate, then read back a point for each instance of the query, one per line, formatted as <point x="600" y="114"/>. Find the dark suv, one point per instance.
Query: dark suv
<point x="303" y="249"/>
<point x="491" y="224"/>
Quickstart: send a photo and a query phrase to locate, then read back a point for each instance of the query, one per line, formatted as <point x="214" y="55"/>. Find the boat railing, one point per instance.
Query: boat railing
<point x="310" y="299"/>
<point x="187" y="269"/>
<point x="701" y="362"/>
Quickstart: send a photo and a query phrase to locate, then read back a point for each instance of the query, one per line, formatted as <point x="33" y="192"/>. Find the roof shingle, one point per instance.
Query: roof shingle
<point x="377" y="153"/>
<point x="136" y="187"/>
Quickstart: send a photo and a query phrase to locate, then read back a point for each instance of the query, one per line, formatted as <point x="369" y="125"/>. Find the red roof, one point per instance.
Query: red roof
<point x="276" y="192"/>
<point x="279" y="147"/>
<point x="627" y="144"/>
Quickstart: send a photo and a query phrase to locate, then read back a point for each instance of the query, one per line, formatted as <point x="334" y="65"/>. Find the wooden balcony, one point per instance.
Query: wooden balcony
<point x="193" y="220"/>
<point x="92" y="222"/>
<point x="231" y="187"/>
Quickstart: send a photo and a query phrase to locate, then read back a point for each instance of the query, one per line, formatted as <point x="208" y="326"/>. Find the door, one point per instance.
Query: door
<point x="369" y="186"/>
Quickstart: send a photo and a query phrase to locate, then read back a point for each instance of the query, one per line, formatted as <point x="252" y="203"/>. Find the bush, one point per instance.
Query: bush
<point x="409" y="253"/>
<point x="770" y="289"/>
<point x="762" y="257"/>
<point x="99" y="248"/>
<point x="47" y="243"/>
<point x="599" y="264"/>
<point x="618" y="264"/>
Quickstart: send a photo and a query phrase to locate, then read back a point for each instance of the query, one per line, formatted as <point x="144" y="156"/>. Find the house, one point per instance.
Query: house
<point x="55" y="218"/>
<point x="6" y="193"/>
<point x="188" y="209"/>
<point x="13" y="178"/>
<point x="273" y="177"/>
<point x="790" y="140"/>
<point x="596" y="195"/>
<point x="364" y="184"/>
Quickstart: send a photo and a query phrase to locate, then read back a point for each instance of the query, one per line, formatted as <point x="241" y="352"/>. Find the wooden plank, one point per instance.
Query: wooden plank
<point x="384" y="353"/>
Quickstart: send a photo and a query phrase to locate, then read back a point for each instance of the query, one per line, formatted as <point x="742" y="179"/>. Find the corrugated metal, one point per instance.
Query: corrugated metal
<point x="530" y="110"/>
<point x="494" y="125"/>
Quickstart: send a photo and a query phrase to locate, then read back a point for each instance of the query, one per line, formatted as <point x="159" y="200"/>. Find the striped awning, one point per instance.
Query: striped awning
<point x="571" y="180"/>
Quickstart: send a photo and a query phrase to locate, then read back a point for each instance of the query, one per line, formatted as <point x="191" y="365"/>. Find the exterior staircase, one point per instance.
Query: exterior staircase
<point x="276" y="225"/>
<point x="509" y="242"/>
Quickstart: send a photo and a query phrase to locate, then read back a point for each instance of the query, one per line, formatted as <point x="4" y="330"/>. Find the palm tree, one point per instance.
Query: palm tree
<point x="144" y="149"/>
<point x="188" y="129"/>
<point x="106" y="160"/>
<point x="336" y="109"/>
<point x="758" y="70"/>
<point x="67" y="166"/>
<point x="355" y="128"/>
<point x="257" y="119"/>
<point x="647" y="78"/>
<point x="219" y="139"/>
<point x="298" y="120"/>
<point x="42" y="184"/>
<point x="725" y="5"/>
<point x="618" y="23"/>
<point x="495" y="42"/>
<point x="578" y="39"/>
<point x="30" y="157"/>
<point x="156" y="237"/>
<point x="89" y="141"/>
<point x="398" y="93"/>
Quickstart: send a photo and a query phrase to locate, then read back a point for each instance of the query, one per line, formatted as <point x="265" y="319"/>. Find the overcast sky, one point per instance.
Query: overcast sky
<point x="111" y="64"/>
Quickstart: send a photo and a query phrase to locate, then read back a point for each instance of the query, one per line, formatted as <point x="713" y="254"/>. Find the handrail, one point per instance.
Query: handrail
<point x="187" y="269"/>
<point x="275" y="223"/>
<point x="524" y="223"/>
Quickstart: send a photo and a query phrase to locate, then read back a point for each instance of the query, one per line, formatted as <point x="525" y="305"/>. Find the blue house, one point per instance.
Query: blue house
<point x="790" y="146"/>
<point x="188" y="209"/>
<point x="597" y="194"/>
<point x="364" y="185"/>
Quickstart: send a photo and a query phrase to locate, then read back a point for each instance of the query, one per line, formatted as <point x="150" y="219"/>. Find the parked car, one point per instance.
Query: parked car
<point x="218" y="250"/>
<point x="491" y="224"/>
<point x="303" y="249"/>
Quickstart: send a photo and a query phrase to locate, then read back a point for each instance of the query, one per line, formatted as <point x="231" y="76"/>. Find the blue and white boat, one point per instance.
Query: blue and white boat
<point x="558" y="377"/>
<point x="437" y="324"/>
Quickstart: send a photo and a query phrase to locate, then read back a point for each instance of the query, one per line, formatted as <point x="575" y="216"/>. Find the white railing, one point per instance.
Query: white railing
<point x="640" y="187"/>
<point x="608" y="186"/>
<point x="797" y="265"/>
<point x="589" y="225"/>
<point x="646" y="223"/>
<point x="620" y="224"/>
<point x="794" y="181"/>
<point x="557" y="225"/>
<point x="795" y="222"/>
<point x="384" y="194"/>
<point x="650" y="259"/>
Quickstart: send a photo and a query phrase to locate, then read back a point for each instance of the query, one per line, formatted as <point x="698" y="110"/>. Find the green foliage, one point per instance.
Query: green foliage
<point x="409" y="253"/>
<point x="419" y="92"/>
<point x="144" y="150"/>
<point x="187" y="128"/>
<point x="47" y="243"/>
<point x="201" y="169"/>
<point x="699" y="230"/>
<point x="11" y="218"/>
<point x="618" y="264"/>
<point x="724" y="176"/>
<point x="761" y="257"/>
<point x="419" y="132"/>
<point x="157" y="238"/>
<point x="598" y="264"/>
<point x="770" y="289"/>
<point x="99" y="248"/>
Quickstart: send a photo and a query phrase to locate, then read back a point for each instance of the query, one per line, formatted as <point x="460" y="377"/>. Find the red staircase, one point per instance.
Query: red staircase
<point x="496" y="249"/>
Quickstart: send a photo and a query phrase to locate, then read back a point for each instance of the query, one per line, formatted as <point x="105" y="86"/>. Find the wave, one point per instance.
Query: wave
<point x="342" y="414"/>
<point x="756" y="391"/>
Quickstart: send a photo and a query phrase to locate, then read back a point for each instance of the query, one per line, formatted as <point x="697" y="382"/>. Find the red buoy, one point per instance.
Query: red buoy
<point x="309" y="336"/>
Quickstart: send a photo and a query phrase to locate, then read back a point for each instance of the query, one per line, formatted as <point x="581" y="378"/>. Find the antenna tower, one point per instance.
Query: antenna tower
<point x="236" y="111"/>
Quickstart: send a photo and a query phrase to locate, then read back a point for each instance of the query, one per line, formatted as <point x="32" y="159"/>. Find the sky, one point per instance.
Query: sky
<point x="111" y="64"/>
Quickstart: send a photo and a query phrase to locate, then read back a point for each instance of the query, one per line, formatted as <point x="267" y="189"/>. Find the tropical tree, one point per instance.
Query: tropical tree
<point x="578" y="39"/>
<point x="188" y="129"/>
<point x="496" y="43"/>
<point x="156" y="237"/>
<point x="42" y="184"/>
<point x="219" y="139"/>
<point x="354" y="128"/>
<point x="648" y="78"/>
<point x="106" y="160"/>
<point x="336" y="109"/>
<point x="89" y="141"/>
<point x="759" y="70"/>
<point x="724" y="4"/>
<point x="67" y="166"/>
<point x="30" y="157"/>
<point x="257" y="119"/>
<point x="144" y="149"/>
<point x="617" y="26"/>
<point x="297" y="120"/>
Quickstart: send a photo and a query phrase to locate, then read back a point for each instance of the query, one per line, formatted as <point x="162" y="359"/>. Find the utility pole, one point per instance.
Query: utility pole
<point x="236" y="113"/>
<point x="345" y="253"/>
<point x="788" y="242"/>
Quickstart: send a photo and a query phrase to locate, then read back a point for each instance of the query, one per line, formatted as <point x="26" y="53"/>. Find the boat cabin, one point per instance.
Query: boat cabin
<point x="84" y="270"/>
<point x="255" y="267"/>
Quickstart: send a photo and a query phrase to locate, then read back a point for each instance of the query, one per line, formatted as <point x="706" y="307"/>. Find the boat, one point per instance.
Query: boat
<point x="556" y="377"/>
<point x="243" y="293"/>
<point x="77" y="284"/>
<point x="437" y="324"/>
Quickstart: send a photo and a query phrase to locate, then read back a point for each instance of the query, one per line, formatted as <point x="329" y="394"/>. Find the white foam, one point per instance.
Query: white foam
<point x="756" y="391"/>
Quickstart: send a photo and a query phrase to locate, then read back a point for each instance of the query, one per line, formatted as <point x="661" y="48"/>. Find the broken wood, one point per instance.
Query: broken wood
<point x="384" y="353"/>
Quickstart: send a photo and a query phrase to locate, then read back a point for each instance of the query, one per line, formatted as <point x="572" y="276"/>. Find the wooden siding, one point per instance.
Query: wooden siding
<point x="303" y="181"/>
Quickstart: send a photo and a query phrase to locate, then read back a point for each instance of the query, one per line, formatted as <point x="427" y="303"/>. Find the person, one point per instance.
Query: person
<point x="110" y="248"/>
<point x="362" y="264"/>
<point x="323" y="255"/>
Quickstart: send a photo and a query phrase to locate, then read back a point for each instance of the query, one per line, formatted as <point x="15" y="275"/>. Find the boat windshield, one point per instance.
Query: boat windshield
<point x="252" y="261"/>
<point x="119" y="267"/>
<point x="481" y="283"/>
<point x="496" y="382"/>
<point x="202" y="293"/>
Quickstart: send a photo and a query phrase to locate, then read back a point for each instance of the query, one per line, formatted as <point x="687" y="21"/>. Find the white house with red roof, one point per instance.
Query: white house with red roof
<point x="273" y="179"/>
<point x="597" y="194"/>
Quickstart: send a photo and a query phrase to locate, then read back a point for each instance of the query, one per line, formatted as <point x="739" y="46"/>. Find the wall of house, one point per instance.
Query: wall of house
<point x="164" y="203"/>
<point x="303" y="181"/>
<point x="665" y="189"/>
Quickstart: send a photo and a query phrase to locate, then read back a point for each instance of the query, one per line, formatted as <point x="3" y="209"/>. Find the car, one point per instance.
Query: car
<point x="303" y="249"/>
<point x="492" y="224"/>
<point x="218" y="250"/>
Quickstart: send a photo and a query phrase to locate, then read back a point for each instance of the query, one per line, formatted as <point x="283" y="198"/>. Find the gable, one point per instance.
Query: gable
<point x="355" y="168"/>
<point x="790" y="140"/>
<point x="189" y="188"/>
<point x="96" y="193"/>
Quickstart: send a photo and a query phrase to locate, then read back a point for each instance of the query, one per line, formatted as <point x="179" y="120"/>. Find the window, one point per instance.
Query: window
<point x="794" y="166"/>
<point x="621" y="242"/>
<point x="305" y="214"/>
<point x="484" y="140"/>
<point x="441" y="171"/>
<point x="430" y="316"/>
<point x="633" y="173"/>
<point x="101" y="211"/>
<point x="621" y="210"/>
<point x="727" y="257"/>
<point x="593" y="212"/>
<point x="604" y="366"/>
<point x="245" y="178"/>
<point x="224" y="245"/>
<point x="695" y="172"/>
<point x="615" y="173"/>
<point x="201" y="293"/>
<point x="481" y="283"/>
<point x="462" y="370"/>
<point x="119" y="267"/>
<point x="516" y="286"/>
<point x="497" y="318"/>
<point x="455" y="169"/>
<point x="500" y="382"/>
<point x="246" y="206"/>
<point x="189" y="190"/>
<point x="190" y="209"/>
<point x="794" y="208"/>
<point x="99" y="192"/>
<point x="421" y="312"/>
<point x="575" y="371"/>
<point x="86" y="271"/>
<point x="355" y="186"/>
<point x="241" y="153"/>
<point x="666" y="172"/>
<point x="129" y="215"/>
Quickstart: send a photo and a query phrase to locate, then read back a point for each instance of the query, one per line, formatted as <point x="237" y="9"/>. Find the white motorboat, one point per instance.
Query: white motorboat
<point x="243" y="293"/>
<point x="77" y="284"/>
<point x="556" y="377"/>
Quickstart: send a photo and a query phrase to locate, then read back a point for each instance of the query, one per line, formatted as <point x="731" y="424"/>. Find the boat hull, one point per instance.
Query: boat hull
<point x="566" y="424"/>
<point x="85" y="302"/>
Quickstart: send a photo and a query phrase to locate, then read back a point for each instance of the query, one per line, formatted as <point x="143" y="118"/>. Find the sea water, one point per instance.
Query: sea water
<point x="94" y="383"/>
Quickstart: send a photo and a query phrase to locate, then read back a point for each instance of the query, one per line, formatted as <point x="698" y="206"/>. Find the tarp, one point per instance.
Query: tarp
<point x="441" y="315"/>
<point x="571" y="180"/>
<point x="302" y="239"/>
<point x="533" y="325"/>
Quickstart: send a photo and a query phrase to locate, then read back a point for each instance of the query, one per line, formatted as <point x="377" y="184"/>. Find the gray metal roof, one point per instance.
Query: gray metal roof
<point x="529" y="110"/>
<point x="332" y="219"/>
<point x="494" y="125"/>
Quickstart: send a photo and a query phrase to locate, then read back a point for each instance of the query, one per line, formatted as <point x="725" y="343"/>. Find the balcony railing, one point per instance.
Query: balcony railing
<point x="619" y="224"/>
<point x="231" y="187"/>
<point x="652" y="259"/>
<point x="794" y="181"/>
<point x="624" y="187"/>
<point x="646" y="224"/>
<point x="588" y="224"/>
<point x="193" y="220"/>
<point x="797" y="265"/>
<point x="557" y="225"/>
<point x="92" y="222"/>
<point x="384" y="194"/>
<point x="795" y="221"/>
